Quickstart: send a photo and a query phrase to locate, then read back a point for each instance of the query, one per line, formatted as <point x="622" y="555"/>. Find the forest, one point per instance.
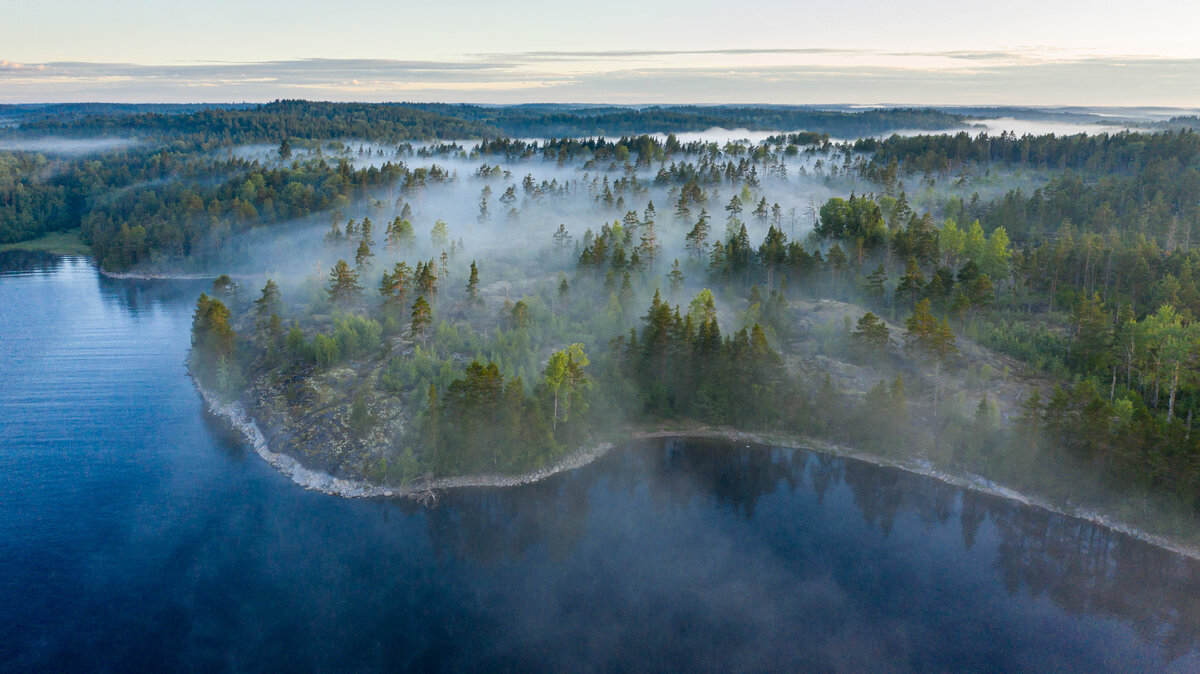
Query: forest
<point x="399" y="122"/>
<point x="176" y="189"/>
<point x="900" y="312"/>
<point x="414" y="291"/>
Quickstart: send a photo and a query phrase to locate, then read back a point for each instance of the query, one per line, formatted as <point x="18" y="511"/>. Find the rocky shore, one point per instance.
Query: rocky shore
<point x="237" y="417"/>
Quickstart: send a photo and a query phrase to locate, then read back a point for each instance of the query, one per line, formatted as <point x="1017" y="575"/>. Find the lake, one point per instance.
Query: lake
<point x="136" y="535"/>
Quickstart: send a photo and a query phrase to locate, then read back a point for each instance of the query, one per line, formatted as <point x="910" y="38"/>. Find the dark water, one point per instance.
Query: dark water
<point x="135" y="536"/>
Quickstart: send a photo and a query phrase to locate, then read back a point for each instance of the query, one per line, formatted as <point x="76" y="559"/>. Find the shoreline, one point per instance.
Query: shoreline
<point x="150" y="276"/>
<point x="974" y="483"/>
<point x="236" y="416"/>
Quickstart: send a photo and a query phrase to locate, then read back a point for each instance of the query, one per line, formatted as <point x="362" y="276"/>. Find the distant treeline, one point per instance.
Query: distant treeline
<point x="28" y="112"/>
<point x="396" y="122"/>
<point x="1125" y="152"/>
<point x="548" y="121"/>
<point x="272" y="122"/>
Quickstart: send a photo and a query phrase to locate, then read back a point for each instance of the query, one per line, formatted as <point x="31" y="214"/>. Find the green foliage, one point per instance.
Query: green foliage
<point x="213" y="346"/>
<point x="322" y="350"/>
<point x="1104" y="303"/>
<point x="360" y="417"/>
<point x="486" y="424"/>
<point x="856" y="219"/>
<point x="356" y="337"/>
<point x="344" y="289"/>
<point x="422" y="316"/>
<point x="872" y="333"/>
<point x="684" y="368"/>
<point x="927" y="336"/>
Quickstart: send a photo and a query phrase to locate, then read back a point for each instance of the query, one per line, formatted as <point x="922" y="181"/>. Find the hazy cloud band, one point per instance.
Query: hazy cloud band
<point x="700" y="76"/>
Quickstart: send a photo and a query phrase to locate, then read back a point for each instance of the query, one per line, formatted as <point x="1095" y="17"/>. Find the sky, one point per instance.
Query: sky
<point x="1018" y="52"/>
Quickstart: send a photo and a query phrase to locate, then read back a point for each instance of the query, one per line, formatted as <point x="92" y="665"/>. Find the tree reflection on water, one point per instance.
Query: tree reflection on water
<point x="1084" y="568"/>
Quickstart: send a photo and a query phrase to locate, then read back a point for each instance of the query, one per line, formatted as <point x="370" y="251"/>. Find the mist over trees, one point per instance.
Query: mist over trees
<point x="1012" y="307"/>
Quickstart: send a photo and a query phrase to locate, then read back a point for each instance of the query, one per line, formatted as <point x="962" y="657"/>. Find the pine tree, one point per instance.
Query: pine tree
<point x="675" y="277"/>
<point x="836" y="258"/>
<point x="630" y="222"/>
<point x="875" y="287"/>
<point x="697" y="239"/>
<point x="362" y="257"/>
<point x="473" y="284"/>
<point x="440" y="234"/>
<point x="367" y="226"/>
<point x="422" y="317"/>
<point x="510" y="196"/>
<point x="212" y="333"/>
<point x="649" y="248"/>
<point x="343" y="284"/>
<point x="519" y="318"/>
<point x="682" y="212"/>
<point x="626" y="296"/>
<point x="485" y="213"/>
<point x="425" y="277"/>
<point x="562" y="238"/>
<point x="734" y="220"/>
<point x="872" y="332"/>
<point x="400" y="234"/>
<point x="271" y="302"/>
<point x="335" y="233"/>
<point x="931" y="339"/>
<point x="717" y="260"/>
<point x="912" y="283"/>
<point x="760" y="211"/>
<point x="394" y="286"/>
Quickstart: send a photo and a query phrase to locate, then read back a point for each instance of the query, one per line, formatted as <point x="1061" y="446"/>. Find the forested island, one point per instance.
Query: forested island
<point x="418" y="292"/>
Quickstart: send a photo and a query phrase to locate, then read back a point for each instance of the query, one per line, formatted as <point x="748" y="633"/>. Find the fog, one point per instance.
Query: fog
<point x="67" y="147"/>
<point x="1038" y="127"/>
<point x="525" y="227"/>
<point x="514" y="244"/>
<point x="514" y="247"/>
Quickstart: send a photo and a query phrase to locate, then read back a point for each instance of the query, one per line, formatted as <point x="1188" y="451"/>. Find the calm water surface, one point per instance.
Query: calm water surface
<point x="136" y="535"/>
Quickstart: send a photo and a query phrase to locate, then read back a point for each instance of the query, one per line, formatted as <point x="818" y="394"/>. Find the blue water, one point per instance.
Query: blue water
<point x="136" y="535"/>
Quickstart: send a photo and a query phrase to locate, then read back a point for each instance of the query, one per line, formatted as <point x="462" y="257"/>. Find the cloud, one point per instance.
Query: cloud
<point x="1009" y="77"/>
<point x="618" y="54"/>
<point x="11" y="66"/>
